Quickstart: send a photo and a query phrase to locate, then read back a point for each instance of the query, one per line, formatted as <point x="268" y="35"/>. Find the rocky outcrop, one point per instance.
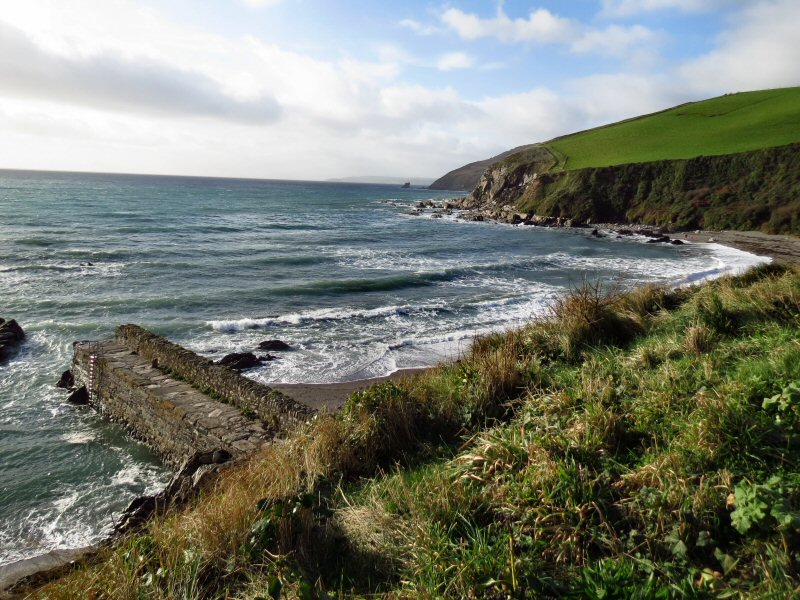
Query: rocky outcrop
<point x="746" y="191"/>
<point x="196" y="474"/>
<point x="240" y="361"/>
<point x="11" y="336"/>
<point x="467" y="177"/>
<point x="66" y="381"/>
<point x="277" y="345"/>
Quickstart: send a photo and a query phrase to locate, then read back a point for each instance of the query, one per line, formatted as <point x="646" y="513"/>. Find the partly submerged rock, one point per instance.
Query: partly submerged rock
<point x="240" y="361"/>
<point x="79" y="397"/>
<point x="67" y="380"/>
<point x="11" y="335"/>
<point x="274" y="345"/>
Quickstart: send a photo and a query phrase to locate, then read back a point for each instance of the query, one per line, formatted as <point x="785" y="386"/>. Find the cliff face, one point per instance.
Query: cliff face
<point x="747" y="191"/>
<point x="466" y="178"/>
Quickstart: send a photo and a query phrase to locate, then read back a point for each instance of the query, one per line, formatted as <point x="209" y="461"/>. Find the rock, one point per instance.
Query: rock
<point x="11" y="335"/>
<point x="137" y="513"/>
<point x="676" y="242"/>
<point x="240" y="361"/>
<point x="220" y="456"/>
<point x="203" y="478"/>
<point x="266" y="358"/>
<point x="274" y="345"/>
<point x="595" y="233"/>
<point x="79" y="397"/>
<point x="436" y="216"/>
<point x="67" y="380"/>
<point x="659" y="240"/>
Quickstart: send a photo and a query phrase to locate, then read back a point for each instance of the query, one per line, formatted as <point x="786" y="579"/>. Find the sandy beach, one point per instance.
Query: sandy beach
<point x="782" y="248"/>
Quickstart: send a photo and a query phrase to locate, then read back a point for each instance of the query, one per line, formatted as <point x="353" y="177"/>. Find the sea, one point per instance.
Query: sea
<point x="357" y="285"/>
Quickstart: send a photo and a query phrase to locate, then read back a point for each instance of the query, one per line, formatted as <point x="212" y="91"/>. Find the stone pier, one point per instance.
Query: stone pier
<point x="179" y="403"/>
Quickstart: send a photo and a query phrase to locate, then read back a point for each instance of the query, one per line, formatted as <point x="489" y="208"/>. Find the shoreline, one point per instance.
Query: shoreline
<point x="331" y="397"/>
<point x="782" y="249"/>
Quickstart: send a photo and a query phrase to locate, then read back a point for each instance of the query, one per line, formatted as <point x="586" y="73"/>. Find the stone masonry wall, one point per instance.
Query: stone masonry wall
<point x="271" y="406"/>
<point x="123" y="396"/>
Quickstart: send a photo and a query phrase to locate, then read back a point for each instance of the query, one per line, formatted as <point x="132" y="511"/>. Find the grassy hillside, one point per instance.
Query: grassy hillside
<point x="640" y="445"/>
<point x="724" y="125"/>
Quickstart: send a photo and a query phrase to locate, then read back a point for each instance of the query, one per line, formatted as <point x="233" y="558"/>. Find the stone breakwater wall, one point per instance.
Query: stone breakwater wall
<point x="272" y="407"/>
<point x="170" y="416"/>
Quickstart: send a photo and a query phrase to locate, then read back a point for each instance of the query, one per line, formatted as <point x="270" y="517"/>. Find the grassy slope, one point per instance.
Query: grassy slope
<point x="621" y="449"/>
<point x="724" y="125"/>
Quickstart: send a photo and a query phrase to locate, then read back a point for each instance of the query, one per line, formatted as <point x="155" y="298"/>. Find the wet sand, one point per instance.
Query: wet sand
<point x="331" y="396"/>
<point x="782" y="248"/>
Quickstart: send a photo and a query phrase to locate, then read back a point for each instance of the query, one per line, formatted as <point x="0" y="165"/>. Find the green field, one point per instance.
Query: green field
<point x="725" y="125"/>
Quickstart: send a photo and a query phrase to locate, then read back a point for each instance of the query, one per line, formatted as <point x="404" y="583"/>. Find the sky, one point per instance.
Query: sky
<point x="317" y="89"/>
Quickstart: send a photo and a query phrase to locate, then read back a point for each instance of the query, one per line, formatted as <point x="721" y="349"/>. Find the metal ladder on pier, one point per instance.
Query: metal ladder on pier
<point x="96" y="352"/>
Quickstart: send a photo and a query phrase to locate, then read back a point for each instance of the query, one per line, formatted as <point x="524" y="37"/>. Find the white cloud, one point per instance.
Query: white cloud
<point x="761" y="50"/>
<point x="541" y="26"/>
<point x="614" y="40"/>
<point x="118" y="83"/>
<point x="544" y="27"/>
<point x="419" y="28"/>
<point x="454" y="60"/>
<point x="97" y="94"/>
<point x="626" y="8"/>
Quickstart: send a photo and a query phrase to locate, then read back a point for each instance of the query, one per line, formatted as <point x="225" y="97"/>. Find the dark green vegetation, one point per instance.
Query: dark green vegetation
<point x="747" y="191"/>
<point x="725" y="125"/>
<point x="636" y="445"/>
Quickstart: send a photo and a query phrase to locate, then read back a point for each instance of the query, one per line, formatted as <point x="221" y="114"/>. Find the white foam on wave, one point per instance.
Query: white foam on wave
<point x="728" y="261"/>
<point x="79" y="437"/>
<point x="325" y="314"/>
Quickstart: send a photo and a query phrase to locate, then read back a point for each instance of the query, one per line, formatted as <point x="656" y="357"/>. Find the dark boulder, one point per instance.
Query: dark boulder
<point x="67" y="380"/>
<point x="79" y="396"/>
<point x="662" y="239"/>
<point x="676" y="242"/>
<point x="11" y="335"/>
<point x="274" y="345"/>
<point x="240" y="361"/>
